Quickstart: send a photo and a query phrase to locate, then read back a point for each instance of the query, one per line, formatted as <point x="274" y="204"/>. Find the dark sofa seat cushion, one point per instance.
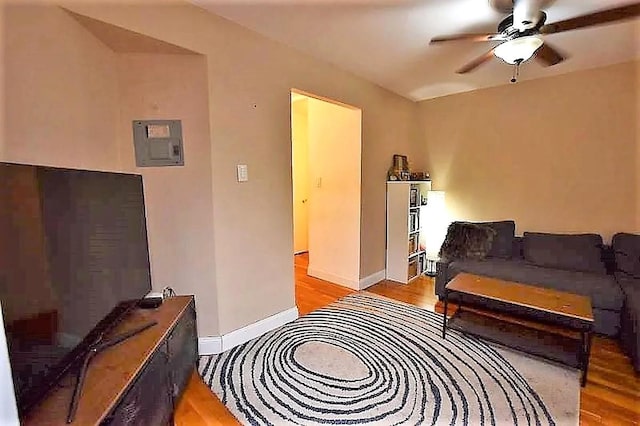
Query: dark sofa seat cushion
<point x="581" y="252"/>
<point x="627" y="252"/>
<point x="502" y="245"/>
<point x="605" y="293"/>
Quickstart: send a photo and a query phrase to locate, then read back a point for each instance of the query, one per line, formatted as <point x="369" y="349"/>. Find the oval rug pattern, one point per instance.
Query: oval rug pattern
<point x="366" y="359"/>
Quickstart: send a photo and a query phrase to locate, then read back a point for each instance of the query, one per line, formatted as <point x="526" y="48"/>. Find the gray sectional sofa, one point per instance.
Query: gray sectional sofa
<point x="627" y="252"/>
<point x="579" y="264"/>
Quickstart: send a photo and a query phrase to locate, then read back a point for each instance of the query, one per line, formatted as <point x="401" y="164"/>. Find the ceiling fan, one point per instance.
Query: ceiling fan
<point x="520" y="34"/>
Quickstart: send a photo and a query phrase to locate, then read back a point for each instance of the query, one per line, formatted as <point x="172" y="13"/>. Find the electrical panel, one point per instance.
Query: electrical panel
<point x="158" y="143"/>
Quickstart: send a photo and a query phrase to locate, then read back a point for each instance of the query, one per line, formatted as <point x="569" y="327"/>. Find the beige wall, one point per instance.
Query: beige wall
<point x="334" y="202"/>
<point x="249" y="83"/>
<point x="388" y="128"/>
<point x="72" y="103"/>
<point x="179" y="199"/>
<point x="555" y="154"/>
<point x="550" y="153"/>
<point x="61" y="90"/>
<point x="249" y="88"/>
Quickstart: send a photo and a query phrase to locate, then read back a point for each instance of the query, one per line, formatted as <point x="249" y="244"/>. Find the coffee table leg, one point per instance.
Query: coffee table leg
<point x="586" y="354"/>
<point x="444" y="316"/>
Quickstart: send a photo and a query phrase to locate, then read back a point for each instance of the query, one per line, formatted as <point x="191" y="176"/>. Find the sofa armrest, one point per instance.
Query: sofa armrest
<point x="442" y="279"/>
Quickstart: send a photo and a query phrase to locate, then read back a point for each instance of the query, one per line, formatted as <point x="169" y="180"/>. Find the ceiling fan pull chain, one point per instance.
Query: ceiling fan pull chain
<point x="516" y="72"/>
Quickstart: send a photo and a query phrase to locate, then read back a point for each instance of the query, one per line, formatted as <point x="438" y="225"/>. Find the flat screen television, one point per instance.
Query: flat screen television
<point x="74" y="260"/>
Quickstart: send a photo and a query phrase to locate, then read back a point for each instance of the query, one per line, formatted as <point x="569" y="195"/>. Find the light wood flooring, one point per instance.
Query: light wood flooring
<point x="611" y="396"/>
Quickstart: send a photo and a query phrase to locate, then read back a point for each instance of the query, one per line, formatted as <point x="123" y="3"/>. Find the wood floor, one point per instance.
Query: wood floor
<point x="611" y="396"/>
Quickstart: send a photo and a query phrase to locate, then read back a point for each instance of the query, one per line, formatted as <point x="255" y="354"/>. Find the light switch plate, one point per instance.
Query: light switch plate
<point x="243" y="173"/>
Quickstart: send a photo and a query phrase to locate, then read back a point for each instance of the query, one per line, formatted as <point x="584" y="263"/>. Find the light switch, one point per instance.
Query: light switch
<point x="243" y="173"/>
<point x="319" y="182"/>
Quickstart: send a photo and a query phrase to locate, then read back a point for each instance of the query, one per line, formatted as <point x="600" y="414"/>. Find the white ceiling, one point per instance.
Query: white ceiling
<point x="387" y="41"/>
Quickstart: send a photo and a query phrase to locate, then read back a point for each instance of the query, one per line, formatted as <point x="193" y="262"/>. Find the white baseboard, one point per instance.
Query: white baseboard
<point x="210" y="345"/>
<point x="336" y="279"/>
<point x="251" y="331"/>
<point x="372" y="279"/>
<point x="218" y="344"/>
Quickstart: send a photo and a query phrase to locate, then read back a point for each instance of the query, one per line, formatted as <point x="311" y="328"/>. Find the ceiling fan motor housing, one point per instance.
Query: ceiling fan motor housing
<point x="506" y="26"/>
<point x="506" y="6"/>
<point x="502" y="6"/>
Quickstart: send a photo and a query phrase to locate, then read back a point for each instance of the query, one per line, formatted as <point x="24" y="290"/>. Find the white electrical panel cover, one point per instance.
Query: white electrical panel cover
<point x="158" y="143"/>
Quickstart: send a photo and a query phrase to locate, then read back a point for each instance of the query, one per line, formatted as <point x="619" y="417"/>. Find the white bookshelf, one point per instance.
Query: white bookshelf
<point x="403" y="264"/>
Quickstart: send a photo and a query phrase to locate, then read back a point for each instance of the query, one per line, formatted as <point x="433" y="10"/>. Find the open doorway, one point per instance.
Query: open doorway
<point x="326" y="139"/>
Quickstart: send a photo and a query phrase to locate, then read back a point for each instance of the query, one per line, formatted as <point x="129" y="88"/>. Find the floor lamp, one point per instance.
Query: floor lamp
<point x="435" y="223"/>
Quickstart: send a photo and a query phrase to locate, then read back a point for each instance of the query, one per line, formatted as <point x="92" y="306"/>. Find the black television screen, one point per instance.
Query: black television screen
<point x="73" y="259"/>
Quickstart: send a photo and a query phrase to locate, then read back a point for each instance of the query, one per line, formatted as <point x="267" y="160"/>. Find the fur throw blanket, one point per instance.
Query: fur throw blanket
<point x="466" y="240"/>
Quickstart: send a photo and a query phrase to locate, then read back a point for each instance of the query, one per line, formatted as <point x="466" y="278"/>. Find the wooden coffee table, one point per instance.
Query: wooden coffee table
<point x="540" y="321"/>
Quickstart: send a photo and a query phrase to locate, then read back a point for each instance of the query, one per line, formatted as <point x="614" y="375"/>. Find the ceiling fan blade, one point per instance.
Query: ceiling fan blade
<point x="476" y="62"/>
<point x="469" y="37"/>
<point x="592" y="19"/>
<point x="548" y="55"/>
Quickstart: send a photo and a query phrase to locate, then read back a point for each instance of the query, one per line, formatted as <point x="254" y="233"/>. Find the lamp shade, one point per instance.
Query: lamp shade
<point x="435" y="222"/>
<point x="518" y="50"/>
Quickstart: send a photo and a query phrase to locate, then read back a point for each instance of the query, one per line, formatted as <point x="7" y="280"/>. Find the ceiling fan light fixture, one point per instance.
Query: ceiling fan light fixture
<point x="518" y="50"/>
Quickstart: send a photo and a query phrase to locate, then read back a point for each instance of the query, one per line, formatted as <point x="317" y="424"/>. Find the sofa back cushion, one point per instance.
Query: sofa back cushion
<point x="502" y="245"/>
<point x="517" y="248"/>
<point x="581" y="252"/>
<point x="627" y="252"/>
<point x="466" y="241"/>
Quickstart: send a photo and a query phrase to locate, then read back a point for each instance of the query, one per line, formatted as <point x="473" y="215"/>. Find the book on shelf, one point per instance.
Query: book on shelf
<point x="414" y="221"/>
<point x="413" y="244"/>
<point x="414" y="197"/>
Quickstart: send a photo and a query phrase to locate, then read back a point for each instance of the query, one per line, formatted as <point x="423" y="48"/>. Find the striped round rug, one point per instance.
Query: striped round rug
<point x="370" y="360"/>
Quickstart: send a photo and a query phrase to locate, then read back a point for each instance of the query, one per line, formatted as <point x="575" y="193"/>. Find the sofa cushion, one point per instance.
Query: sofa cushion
<point x="630" y="319"/>
<point x="502" y="245"/>
<point x="516" y="248"/>
<point x="581" y="252"/>
<point x="628" y="283"/>
<point x="605" y="293"/>
<point x="627" y="252"/>
<point x="467" y="240"/>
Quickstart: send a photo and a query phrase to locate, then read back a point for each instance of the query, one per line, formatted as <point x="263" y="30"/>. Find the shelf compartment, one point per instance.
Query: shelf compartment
<point x="414" y="221"/>
<point x="414" y="254"/>
<point x="413" y="243"/>
<point x="555" y="347"/>
<point x="413" y="269"/>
